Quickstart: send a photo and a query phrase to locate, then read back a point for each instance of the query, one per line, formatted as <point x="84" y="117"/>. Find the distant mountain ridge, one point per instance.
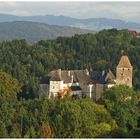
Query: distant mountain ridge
<point x="33" y="31"/>
<point x="95" y="24"/>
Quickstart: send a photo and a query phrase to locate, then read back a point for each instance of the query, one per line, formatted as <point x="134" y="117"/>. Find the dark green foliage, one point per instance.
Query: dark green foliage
<point x="30" y="63"/>
<point x="58" y="118"/>
<point x="121" y="102"/>
<point x="80" y="119"/>
<point x="135" y="132"/>
<point x="121" y="133"/>
<point x="9" y="88"/>
<point x="68" y="118"/>
<point x="33" y="118"/>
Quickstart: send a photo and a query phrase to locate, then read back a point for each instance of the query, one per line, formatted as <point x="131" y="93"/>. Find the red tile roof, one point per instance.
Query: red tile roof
<point x="133" y="33"/>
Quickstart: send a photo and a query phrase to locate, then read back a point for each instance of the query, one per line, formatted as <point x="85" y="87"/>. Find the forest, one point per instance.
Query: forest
<point x="23" y="66"/>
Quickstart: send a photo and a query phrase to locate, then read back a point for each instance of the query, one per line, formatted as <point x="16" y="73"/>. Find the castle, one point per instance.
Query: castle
<point x="124" y="72"/>
<point x="83" y="83"/>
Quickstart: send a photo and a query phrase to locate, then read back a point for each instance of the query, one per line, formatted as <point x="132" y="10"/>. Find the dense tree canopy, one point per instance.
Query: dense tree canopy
<point x="30" y="63"/>
<point x="57" y="118"/>
<point x="122" y="102"/>
<point x="9" y="88"/>
<point x="80" y="118"/>
<point x="23" y="66"/>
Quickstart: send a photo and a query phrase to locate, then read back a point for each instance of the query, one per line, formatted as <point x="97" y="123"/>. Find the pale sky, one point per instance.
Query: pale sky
<point x="128" y="11"/>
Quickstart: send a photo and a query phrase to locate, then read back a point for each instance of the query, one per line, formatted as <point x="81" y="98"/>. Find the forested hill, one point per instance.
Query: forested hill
<point x="100" y="51"/>
<point x="22" y="66"/>
<point x="33" y="31"/>
<point x="94" y="24"/>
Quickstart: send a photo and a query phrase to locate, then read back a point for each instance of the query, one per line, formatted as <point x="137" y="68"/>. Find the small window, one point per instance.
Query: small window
<point x="128" y="69"/>
<point x="53" y="87"/>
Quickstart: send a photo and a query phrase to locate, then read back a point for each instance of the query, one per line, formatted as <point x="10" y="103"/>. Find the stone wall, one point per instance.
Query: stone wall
<point x="124" y="76"/>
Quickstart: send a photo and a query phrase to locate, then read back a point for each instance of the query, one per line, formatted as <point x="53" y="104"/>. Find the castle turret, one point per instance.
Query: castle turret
<point x="124" y="72"/>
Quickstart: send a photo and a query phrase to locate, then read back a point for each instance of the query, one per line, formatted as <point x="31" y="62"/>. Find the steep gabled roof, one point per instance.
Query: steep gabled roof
<point x="102" y="77"/>
<point x="55" y="76"/>
<point x="110" y="77"/>
<point x="124" y="62"/>
<point x="67" y="76"/>
<point x="80" y="76"/>
<point x="98" y="77"/>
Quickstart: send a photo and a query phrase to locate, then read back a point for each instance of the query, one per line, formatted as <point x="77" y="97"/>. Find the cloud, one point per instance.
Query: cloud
<point x="9" y="4"/>
<point x="119" y="10"/>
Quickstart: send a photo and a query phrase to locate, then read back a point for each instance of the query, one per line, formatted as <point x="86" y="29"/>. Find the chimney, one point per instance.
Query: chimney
<point x="71" y="78"/>
<point x="69" y="73"/>
<point x="59" y="72"/>
<point x="103" y="72"/>
<point x="87" y="72"/>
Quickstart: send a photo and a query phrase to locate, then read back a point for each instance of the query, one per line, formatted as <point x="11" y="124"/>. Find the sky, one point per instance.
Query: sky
<point x="128" y="11"/>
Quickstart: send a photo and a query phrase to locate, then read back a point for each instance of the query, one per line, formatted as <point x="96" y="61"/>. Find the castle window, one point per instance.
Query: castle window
<point x="123" y="68"/>
<point x="128" y="69"/>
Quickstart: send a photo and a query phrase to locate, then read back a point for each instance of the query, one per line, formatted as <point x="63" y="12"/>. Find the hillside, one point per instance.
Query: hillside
<point x="91" y="51"/>
<point x="23" y="66"/>
<point x="94" y="24"/>
<point x="33" y="31"/>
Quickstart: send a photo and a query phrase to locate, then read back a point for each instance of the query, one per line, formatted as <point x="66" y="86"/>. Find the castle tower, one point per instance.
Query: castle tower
<point x="124" y="72"/>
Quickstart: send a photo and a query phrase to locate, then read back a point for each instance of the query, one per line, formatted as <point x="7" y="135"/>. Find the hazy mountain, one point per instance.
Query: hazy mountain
<point x="94" y="24"/>
<point x="32" y="31"/>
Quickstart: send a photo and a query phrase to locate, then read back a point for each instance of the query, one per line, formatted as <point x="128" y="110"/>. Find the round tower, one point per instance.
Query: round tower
<point x="124" y="72"/>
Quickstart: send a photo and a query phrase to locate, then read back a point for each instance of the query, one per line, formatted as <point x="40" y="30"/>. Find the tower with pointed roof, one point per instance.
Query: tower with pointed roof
<point x="124" y="72"/>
